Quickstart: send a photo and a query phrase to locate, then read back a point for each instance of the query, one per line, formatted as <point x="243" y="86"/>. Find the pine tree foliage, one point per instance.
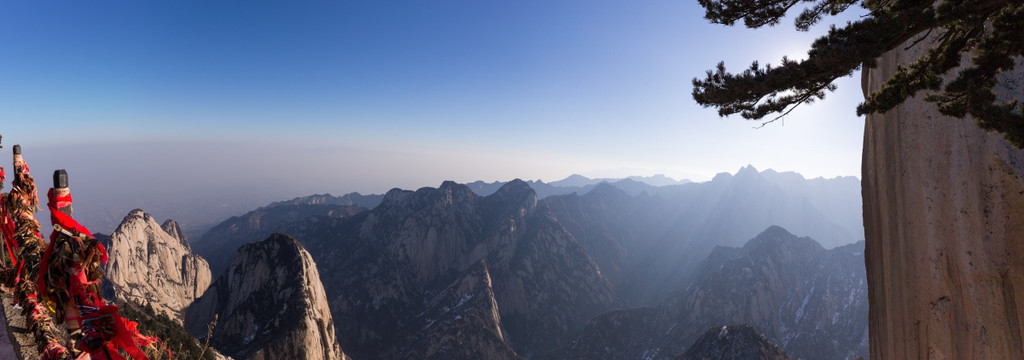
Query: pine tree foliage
<point x="990" y="32"/>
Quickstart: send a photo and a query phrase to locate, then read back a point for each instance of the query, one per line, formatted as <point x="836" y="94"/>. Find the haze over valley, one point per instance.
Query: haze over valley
<point x="578" y="179"/>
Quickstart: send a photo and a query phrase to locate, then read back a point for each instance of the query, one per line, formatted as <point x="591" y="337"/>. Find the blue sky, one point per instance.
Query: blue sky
<point x="366" y="96"/>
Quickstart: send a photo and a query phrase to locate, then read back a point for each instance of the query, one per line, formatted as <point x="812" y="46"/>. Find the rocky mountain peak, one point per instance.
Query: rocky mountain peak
<point x="453" y="192"/>
<point x="153" y="264"/>
<point x="517" y="185"/>
<point x="171" y="228"/>
<point x="745" y="175"/>
<point x="394" y="198"/>
<point x="516" y="193"/>
<point x="775" y="239"/>
<point x="136" y="213"/>
<point x="271" y="304"/>
<point x="738" y="342"/>
<point x="282" y="245"/>
<point x="747" y="170"/>
<point x="573" y="180"/>
<point x="448" y="185"/>
<point x="608" y="193"/>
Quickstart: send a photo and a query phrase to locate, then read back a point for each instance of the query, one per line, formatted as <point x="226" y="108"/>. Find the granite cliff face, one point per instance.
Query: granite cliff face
<point x="944" y="222"/>
<point x="154" y="264"/>
<point x="810" y="301"/>
<point x="737" y="342"/>
<point x="271" y="305"/>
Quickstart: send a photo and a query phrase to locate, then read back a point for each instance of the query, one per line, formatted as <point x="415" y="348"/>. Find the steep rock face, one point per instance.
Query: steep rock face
<point x="944" y="221"/>
<point x="383" y="267"/>
<point x="737" y="342"/>
<point x="462" y="322"/>
<point x="271" y="305"/>
<point x="810" y="301"/>
<point x="153" y="264"/>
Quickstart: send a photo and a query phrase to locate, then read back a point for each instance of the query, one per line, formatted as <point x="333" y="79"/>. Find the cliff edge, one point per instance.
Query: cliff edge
<point x="944" y="225"/>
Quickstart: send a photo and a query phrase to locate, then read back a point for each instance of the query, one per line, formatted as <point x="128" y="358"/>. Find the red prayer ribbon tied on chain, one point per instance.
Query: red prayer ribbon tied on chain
<point x="7" y="226"/>
<point x="125" y="335"/>
<point x="64" y="220"/>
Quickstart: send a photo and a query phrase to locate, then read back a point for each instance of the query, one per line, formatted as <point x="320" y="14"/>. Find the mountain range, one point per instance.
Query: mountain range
<point x="446" y="272"/>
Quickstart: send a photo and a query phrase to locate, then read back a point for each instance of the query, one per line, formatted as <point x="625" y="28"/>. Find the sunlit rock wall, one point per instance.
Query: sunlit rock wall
<point x="944" y="222"/>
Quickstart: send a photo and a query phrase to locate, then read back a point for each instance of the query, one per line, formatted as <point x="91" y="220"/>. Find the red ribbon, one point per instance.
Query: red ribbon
<point x="126" y="334"/>
<point x="7" y="228"/>
<point x="7" y="225"/>
<point x="65" y="222"/>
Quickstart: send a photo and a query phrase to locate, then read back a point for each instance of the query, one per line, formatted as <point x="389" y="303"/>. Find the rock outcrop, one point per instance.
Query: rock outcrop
<point x="736" y="342"/>
<point x="944" y="222"/>
<point x="153" y="264"/>
<point x="271" y="305"/>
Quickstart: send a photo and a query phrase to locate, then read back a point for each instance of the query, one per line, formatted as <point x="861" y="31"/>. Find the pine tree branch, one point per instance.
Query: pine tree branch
<point x="989" y="29"/>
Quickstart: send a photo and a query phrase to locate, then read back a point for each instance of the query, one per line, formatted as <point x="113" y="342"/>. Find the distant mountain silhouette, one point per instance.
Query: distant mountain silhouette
<point x="633" y="185"/>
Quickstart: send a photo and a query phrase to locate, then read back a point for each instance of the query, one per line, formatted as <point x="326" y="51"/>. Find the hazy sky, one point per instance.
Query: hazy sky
<point x="340" y="96"/>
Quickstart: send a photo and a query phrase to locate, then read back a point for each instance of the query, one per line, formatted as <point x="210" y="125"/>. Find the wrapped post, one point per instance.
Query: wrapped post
<point x="19" y="206"/>
<point x="6" y="235"/>
<point x="69" y="283"/>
